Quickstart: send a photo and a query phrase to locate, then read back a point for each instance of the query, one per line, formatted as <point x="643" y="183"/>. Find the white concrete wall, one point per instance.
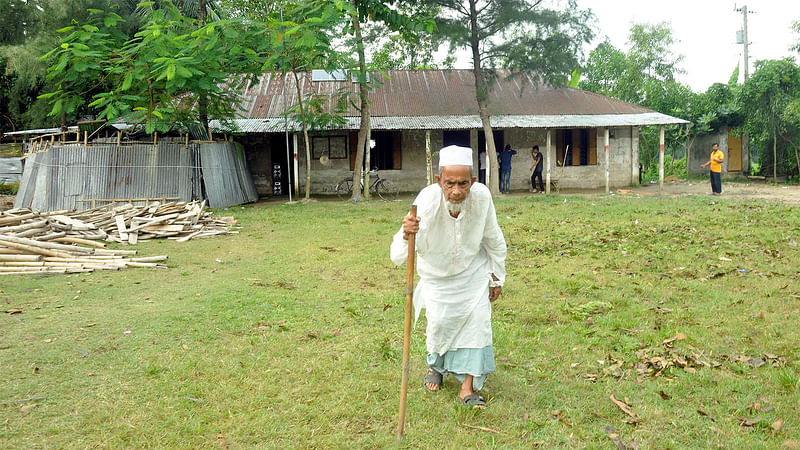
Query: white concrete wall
<point x="624" y="163"/>
<point x="623" y="148"/>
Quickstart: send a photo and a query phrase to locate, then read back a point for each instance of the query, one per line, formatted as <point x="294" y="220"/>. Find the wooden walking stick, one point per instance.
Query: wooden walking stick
<point x="407" y="327"/>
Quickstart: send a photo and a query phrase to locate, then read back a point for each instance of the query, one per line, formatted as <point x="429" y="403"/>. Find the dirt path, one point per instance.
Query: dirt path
<point x="6" y="202"/>
<point x="787" y="194"/>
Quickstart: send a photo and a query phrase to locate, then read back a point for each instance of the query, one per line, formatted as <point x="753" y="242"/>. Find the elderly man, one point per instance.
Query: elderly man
<point x="461" y="265"/>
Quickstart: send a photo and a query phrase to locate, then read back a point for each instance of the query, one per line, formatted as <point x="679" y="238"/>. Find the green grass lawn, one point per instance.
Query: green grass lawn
<point x="290" y="335"/>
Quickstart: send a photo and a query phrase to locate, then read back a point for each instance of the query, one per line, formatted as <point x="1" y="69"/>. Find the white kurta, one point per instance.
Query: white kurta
<point x="455" y="260"/>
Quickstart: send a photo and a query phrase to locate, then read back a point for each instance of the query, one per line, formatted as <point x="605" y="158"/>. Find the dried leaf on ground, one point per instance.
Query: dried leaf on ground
<point x="677" y="337"/>
<point x="777" y="425"/>
<point x="626" y="408"/>
<point x="756" y="362"/>
<point x="748" y="422"/>
<point x="476" y="427"/>
<point x="664" y="395"/>
<point x="614" y="436"/>
<point x="705" y="414"/>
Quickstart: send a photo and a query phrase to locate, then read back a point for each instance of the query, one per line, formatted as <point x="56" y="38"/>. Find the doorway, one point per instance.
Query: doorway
<point x="282" y="178"/>
<point x="734" y="152"/>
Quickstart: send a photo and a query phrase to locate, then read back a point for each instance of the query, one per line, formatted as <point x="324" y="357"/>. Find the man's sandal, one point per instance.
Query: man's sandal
<point x="475" y="401"/>
<point x="432" y="377"/>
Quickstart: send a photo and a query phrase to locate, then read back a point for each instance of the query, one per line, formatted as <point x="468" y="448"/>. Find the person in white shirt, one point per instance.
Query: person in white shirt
<point x="461" y="255"/>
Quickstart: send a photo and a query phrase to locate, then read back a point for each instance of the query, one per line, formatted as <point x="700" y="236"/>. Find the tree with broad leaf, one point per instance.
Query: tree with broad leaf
<point x="301" y="40"/>
<point x="522" y="35"/>
<point x="379" y="11"/>
<point x="155" y="78"/>
<point x="27" y="31"/>
<point x="771" y="99"/>
<point x="645" y="75"/>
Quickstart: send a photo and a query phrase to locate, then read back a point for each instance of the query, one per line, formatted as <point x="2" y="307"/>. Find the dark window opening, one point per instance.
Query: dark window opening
<point x="334" y="147"/>
<point x="498" y="141"/>
<point x="576" y="147"/>
<point x="385" y="150"/>
<point x="455" y="137"/>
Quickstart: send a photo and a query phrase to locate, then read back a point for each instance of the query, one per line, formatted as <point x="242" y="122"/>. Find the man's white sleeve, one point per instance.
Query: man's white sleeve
<point x="495" y="245"/>
<point x="399" y="249"/>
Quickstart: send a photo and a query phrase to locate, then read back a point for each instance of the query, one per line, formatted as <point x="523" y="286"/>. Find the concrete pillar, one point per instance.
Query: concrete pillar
<point x="608" y="160"/>
<point x="661" y="160"/>
<point x="428" y="159"/>
<point x="547" y="163"/>
<point x="634" y="155"/>
<point x="296" y="169"/>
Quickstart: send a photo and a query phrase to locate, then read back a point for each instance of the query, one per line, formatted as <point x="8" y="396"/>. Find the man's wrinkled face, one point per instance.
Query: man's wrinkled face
<point x="455" y="182"/>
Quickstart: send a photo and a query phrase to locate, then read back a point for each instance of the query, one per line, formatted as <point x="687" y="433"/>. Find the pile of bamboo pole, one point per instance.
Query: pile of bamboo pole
<point x="130" y="224"/>
<point x="67" y="241"/>
<point x="21" y="255"/>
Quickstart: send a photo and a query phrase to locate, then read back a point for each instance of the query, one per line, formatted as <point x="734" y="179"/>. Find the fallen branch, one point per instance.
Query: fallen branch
<point x="26" y="400"/>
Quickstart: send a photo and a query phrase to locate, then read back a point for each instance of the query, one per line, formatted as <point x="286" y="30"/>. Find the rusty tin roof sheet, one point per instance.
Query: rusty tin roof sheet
<point x="446" y="99"/>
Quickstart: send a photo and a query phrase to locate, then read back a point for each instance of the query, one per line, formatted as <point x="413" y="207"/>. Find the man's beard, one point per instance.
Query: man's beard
<point x="455" y="208"/>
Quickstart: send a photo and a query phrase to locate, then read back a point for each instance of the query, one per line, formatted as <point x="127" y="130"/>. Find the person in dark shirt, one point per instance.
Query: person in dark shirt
<point x="536" y="170"/>
<point x="505" y="168"/>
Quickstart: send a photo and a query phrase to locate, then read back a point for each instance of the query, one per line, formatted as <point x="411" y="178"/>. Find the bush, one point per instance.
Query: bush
<point x="9" y="189"/>
<point x="677" y="168"/>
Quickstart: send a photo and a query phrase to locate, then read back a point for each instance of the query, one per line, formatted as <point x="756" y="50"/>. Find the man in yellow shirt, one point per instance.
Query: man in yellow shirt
<point x="715" y="161"/>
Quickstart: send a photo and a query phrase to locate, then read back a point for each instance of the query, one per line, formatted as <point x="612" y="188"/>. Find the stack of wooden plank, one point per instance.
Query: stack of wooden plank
<point x="66" y="241"/>
<point x="130" y="224"/>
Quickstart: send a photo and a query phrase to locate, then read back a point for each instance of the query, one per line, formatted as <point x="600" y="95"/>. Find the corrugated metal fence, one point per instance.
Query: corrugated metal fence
<point x="10" y="170"/>
<point x="78" y="177"/>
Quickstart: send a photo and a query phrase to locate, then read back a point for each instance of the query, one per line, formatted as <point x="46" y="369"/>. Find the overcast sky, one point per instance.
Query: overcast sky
<point x="704" y="32"/>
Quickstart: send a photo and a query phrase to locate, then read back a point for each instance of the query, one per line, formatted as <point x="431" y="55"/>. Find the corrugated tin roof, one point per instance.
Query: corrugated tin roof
<point x="445" y="94"/>
<point x="467" y="122"/>
<point x="38" y="131"/>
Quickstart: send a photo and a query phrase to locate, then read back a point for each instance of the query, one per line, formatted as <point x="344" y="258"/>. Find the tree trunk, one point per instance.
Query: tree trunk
<point x="797" y="158"/>
<point x="365" y="125"/>
<point x="367" y="162"/>
<point x="482" y="96"/>
<point x="202" y="103"/>
<point x="689" y="141"/>
<point x="774" y="154"/>
<point x="305" y="134"/>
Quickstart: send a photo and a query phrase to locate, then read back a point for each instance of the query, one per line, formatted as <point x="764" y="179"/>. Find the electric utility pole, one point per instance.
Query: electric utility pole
<point x="744" y="41"/>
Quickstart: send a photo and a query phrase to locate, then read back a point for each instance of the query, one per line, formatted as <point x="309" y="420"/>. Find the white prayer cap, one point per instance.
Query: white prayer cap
<point x="453" y="155"/>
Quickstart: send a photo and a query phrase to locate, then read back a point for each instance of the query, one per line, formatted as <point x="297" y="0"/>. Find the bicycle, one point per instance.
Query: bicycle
<point x="386" y="189"/>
